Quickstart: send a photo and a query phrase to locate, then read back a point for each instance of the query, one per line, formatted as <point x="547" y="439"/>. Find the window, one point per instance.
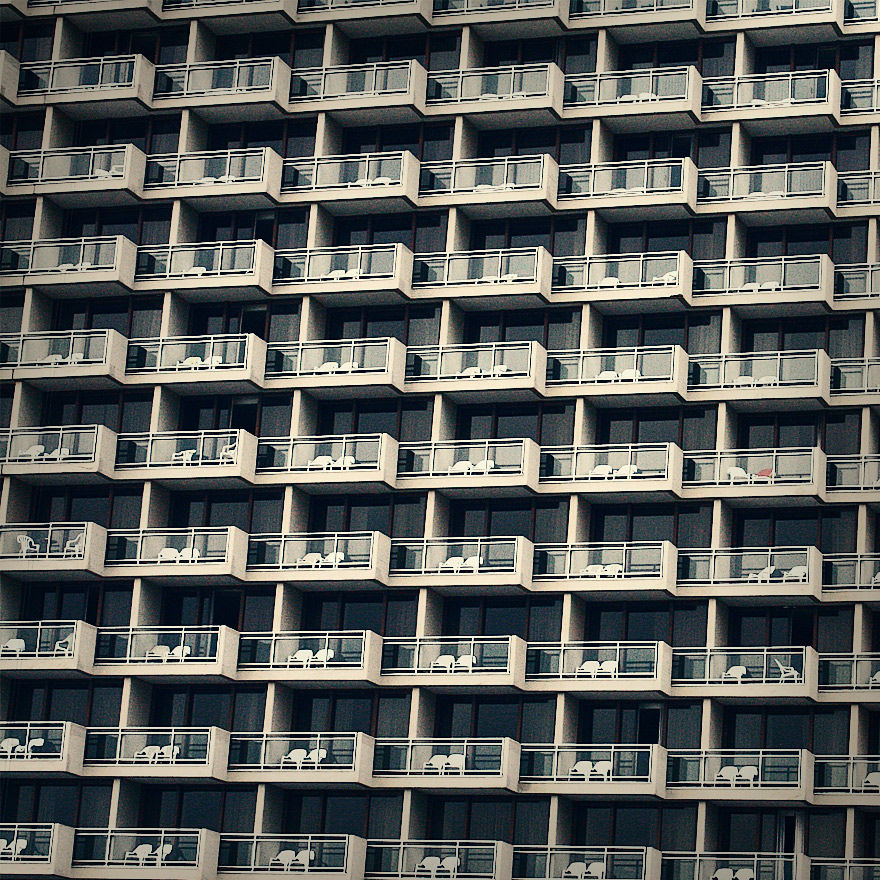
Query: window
<point x="852" y="59"/>
<point x="117" y="506"/>
<point x="675" y="725"/>
<point x="692" y="428"/>
<point x="411" y="324"/>
<point x="832" y="530"/>
<point x="574" y="54"/>
<point x="712" y="57"/>
<point x="230" y="707"/>
<point x="837" y="433"/>
<point x="244" y="610"/>
<point x="254" y="511"/>
<point x="228" y="808"/>
<point x="828" y="630"/>
<point x="408" y="421"/>
<point x="120" y="411"/>
<point x="822" y="731"/>
<point x="543" y="521"/>
<point x="291" y="138"/>
<point x="843" y="242"/>
<point x="552" y="328"/>
<point x="153" y="135"/>
<point x="754" y="830"/>
<point x="532" y="619"/>
<point x="427" y="141"/>
<point x="685" y="525"/>
<point x="281" y="229"/>
<point x="695" y="332"/>
<point x="161" y="46"/>
<point x="297" y="49"/>
<point x="274" y="322"/>
<point x="434" y="51"/>
<point x="682" y="624"/>
<point x="17" y="220"/>
<point x="375" y="816"/>
<point x="669" y="827"/>
<point x="708" y="149"/>
<point x="383" y="713"/>
<point x="568" y="145"/>
<point x="92" y="704"/>
<point x="146" y="225"/>
<point x="7" y="394"/>
<point x="22" y="131"/>
<point x="136" y="317"/>
<point x="825" y="834"/>
<point x="549" y="424"/>
<point x="265" y="415"/>
<point x="421" y="232"/>
<point x="562" y="236"/>
<point x="28" y="41"/>
<point x="101" y="604"/>
<point x="75" y="804"/>
<point x="400" y="516"/>
<point x="841" y="337"/>
<point x="702" y="239"/>
<point x="519" y="820"/>
<point x="524" y="719"/>
<point x="393" y="616"/>
<point x="11" y="311"/>
<point x="848" y="152"/>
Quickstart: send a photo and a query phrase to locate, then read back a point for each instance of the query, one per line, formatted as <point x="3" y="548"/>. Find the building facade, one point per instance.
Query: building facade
<point x="440" y="441"/>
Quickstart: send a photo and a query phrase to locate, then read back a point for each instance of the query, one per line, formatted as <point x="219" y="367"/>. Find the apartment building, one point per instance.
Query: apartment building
<point x="440" y="439"/>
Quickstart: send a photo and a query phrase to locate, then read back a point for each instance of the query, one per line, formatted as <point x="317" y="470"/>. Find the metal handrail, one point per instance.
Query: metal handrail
<point x="175" y="80"/>
<point x="734" y="666"/>
<point x="351" y="80"/>
<point x="643" y="87"/>
<point x="732" y="768"/>
<point x="113" y="157"/>
<point x="468" y="655"/>
<point x="336" y="264"/>
<point x="504" y="265"/>
<point x="621" y="179"/>
<point x="481" y="360"/>
<point x="571" y="762"/>
<point x="749" y="467"/>
<point x="611" y="366"/>
<point x="606" y="463"/>
<point x="234" y="166"/>
<point x="184" y="260"/>
<point x="320" y="649"/>
<point x="609" y="271"/>
<point x="519" y="81"/>
<point x="468" y="555"/>
<point x="62" y="540"/>
<point x="630" y="559"/>
<point x="177" y="448"/>
<point x="330" y="454"/>
<point x="337" y="357"/>
<point x="88" y="254"/>
<point x="763" y="90"/>
<point x="373" y="170"/>
<point x="592" y="660"/>
<point x="74" y="445"/>
<point x="320" y="551"/>
<point x="120" y="541"/>
<point x="793" y="180"/>
<point x="47" y="71"/>
<point x="747" y="369"/>
<point x="744" y="565"/>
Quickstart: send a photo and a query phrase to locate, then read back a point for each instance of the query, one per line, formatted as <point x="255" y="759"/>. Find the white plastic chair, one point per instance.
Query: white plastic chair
<point x="321" y="461"/>
<point x="466" y="662"/>
<point x="607" y="376"/>
<point x="14" y="646"/>
<point x="744" y="874"/>
<point x="436" y="763"/>
<point x="454" y="562"/>
<point x="446" y="662"/>
<point x="630" y="375"/>
<point x="602" y="471"/>
<point x="64" y="646"/>
<point x="168" y="554"/>
<point x="871" y="780"/>
<point x="455" y="763"/>
<point x="577" y="870"/>
<point x="787" y="673"/>
<point x="723" y="874"/>
<point x="33" y="452"/>
<point x="581" y="768"/>
<point x="748" y="774"/>
<point x="738" y="673"/>
<point x="322" y="656"/>
<point x="627" y="471"/>
<point x="335" y="558"/>
<point x="8" y="746"/>
<point x="189" y="554"/>
<point x="728" y="774"/>
<point x="27" y="545"/>
<point x="764" y="575"/>
<point x="603" y="769"/>
<point x="589" y="668"/>
<point x="874" y="680"/>
<point x="450" y="865"/>
<point x="295" y="757"/>
<point x="168" y="753"/>
<point x="180" y="652"/>
<point x="608" y="667"/>
<point x="141" y="852"/>
<point x="159" y="652"/>
<point x="737" y="474"/>
<point x="431" y="864"/>
<point x="462" y="467"/>
<point x="316" y="756"/>
<point x="613" y="570"/>
<point x="76" y="545"/>
<point x="313" y="559"/>
<point x="150" y="754"/>
<point x="183" y="456"/>
<point x="593" y="570"/>
<point x="303" y="657"/>
<point x="798" y="573"/>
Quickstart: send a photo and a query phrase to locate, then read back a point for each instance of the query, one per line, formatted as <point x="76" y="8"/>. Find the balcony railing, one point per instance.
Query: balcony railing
<point x="407" y="860"/>
<point x="157" y="644"/>
<point x="489" y="84"/>
<point x="765" y="90"/>
<point x="650" y="177"/>
<point x="58" y="256"/>
<point x="705" y="866"/>
<point x="855" y="376"/>
<point x="76" y="75"/>
<point x="627" y="88"/>
<point x="301" y="650"/>
<point x="325" y="455"/>
<point x="857" y="571"/>
<point x="585" y="763"/>
<point x="32" y="741"/>
<point x="481" y="176"/>
<point x="332" y="358"/>
<point x="749" y="467"/>
<point x="592" y="660"/>
<point x="584" y="8"/>
<point x="41" y="446"/>
<point x="761" y="275"/>
<point x="844" y="869"/>
<point x="748" y="8"/>
<point x="146" y="745"/>
<point x="259" y="853"/>
<point x="858" y="188"/>
<point x="477" y="655"/>
<point x="179" y="448"/>
<point x="167" y="546"/>
<point x="853" y="473"/>
<point x="351" y="81"/>
<point x="610" y="271"/>
<point x="549" y="862"/>
<point x="367" y="170"/>
<point x="137" y="848"/>
<point x="465" y="458"/>
<point x="293" y="751"/>
<point x="489" y="360"/>
<point x="847" y="774"/>
<point x="605" y="463"/>
<point x="744" y="566"/>
<point x="196" y="260"/>
<point x="439" y="757"/>
<point x="736" y="666"/>
<point x="37" y="639"/>
<point x="796" y="180"/>
<point x="316" y="551"/>
<point x="770" y="369"/>
<point x="453" y="556"/>
<point x="205" y="169"/>
<point x="74" y="348"/>
<point x="624" y="561"/>
<point x="605" y="367"/>
<point x="856" y="281"/>
<point x="214" y="78"/>
<point x="860" y="96"/>
<point x="27" y="843"/>
<point x="42" y="541"/>
<point x="185" y="353"/>
<point x="734" y="768"/>
<point x="461" y="7"/>
<point x="79" y="164"/>
<point x="849" y="671"/>
<point x="476" y="267"/>
<point x="369" y="263"/>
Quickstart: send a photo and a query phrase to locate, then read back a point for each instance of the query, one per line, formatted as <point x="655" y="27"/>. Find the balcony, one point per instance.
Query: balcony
<point x="329" y="464"/>
<point x="468" y="467"/>
<point x="89" y="358"/>
<point x="707" y="865"/>
<point x="142" y="852"/>
<point x="36" y="850"/>
<point x="341" y="275"/>
<point x="762" y="282"/>
<point x="838" y="778"/>
<point x="799" y="192"/>
<point x="101" y="14"/>
<point x="859" y="96"/>
<point x="654" y="188"/>
<point x="31" y="648"/>
<point x="521" y="275"/>
<point x="362" y="19"/>
<point x="844" y="673"/>
<point x="357" y="91"/>
<point x="548" y="862"/>
<point x="332" y="368"/>
<point x="753" y="378"/>
<point x="852" y="477"/>
<point x="843" y="869"/>
<point x="76" y="454"/>
<point x="457" y="565"/>
<point x="646" y="567"/>
<point x="165" y="651"/>
<point x="515" y="185"/>
<point x="332" y="856"/>
<point x="615" y="279"/>
<point x="771" y="13"/>
<point x="766" y="673"/>
<point x="344" y="656"/>
<point x="495" y="92"/>
<point x="62" y="549"/>
<point x="349" y="184"/>
<point x="184" y="458"/>
<point x="341" y="558"/>
<point x="463" y="370"/>
<point x="71" y="266"/>
<point x="739" y="774"/>
<point x="595" y="769"/>
<point x="224" y="91"/>
<point x="775" y="102"/>
<point x="443" y="764"/>
<point x="859" y="191"/>
<point x="469" y="661"/>
<point x="76" y="177"/>
<point x="854" y="376"/>
<point x="856" y="572"/>
<point x="590" y="667"/>
<point x="243" y="267"/>
<point x="315" y="758"/>
<point x="40" y="747"/>
<point x="409" y="860"/>
<point x="89" y="88"/>
<point x="231" y="14"/>
<point x="175" y="553"/>
<point x="613" y="470"/>
<point x="856" y="282"/>
<point x="743" y="475"/>
<point x="247" y="178"/>
<point x="491" y="11"/>
<point x="751" y="572"/>
<point x="156" y="753"/>
<point x="670" y="96"/>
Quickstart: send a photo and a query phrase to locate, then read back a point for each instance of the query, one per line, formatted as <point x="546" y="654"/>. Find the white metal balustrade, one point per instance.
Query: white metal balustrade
<point x="586" y="763"/>
<point x="759" y="275"/>
<point x="856" y="281"/>
<point x="331" y="455"/>
<point x="338" y="264"/>
<point x="27" y="843"/>
<point x="482" y="176"/>
<point x="860" y="96"/>
<point x="37" y="639"/>
<point x="707" y="865"/>
<point x="596" y="661"/>
<point x="43" y="541"/>
<point x="311" y="551"/>
<point x="439" y="757"/>
<point x="302" y="650"/>
<point x="58" y="256"/>
<point x="844" y="869"/>
<point x="738" y="666"/>
<point x="851" y="571"/>
<point x="468" y="655"/>
<point x="135" y="746"/>
<point x="504" y="266"/>
<point x="462" y="7"/>
<point x="480" y="361"/>
<point x="515" y="82"/>
<point x="749" y="467"/>
<point x="461" y="458"/>
<point x="163" y="645"/>
<point x="61" y="166"/>
<point x="845" y="672"/>
<point x="186" y="353"/>
<point x="752" y="566"/>
<point x="32" y="741"/>
<point x="610" y="271"/>
<point x="771" y="369"/>
<point x="324" y="752"/>
<point x="734" y="768"/>
<point x="192" y="449"/>
<point x="768" y="90"/>
<point x="362" y="171"/>
<point x="72" y="348"/>
<point x="327" y="358"/>
<point x="605" y="367"/>
<point x="853" y="473"/>
<point x="623" y="561"/>
<point x="449" y="556"/>
<point x="205" y="259"/>
<point x="167" y="546"/>
<point x="847" y="774"/>
<point x="259" y="853"/>
<point x="627" y="88"/>
<point x="607" y="463"/>
<point x="215" y="78"/>
<point x="76" y="75"/>
<point x="649" y="177"/>
<point x="551" y="862"/>
<point x="855" y="376"/>
<point x="205" y="169"/>
<point x="407" y="860"/>
<point x="155" y="848"/>
<point x="796" y="180"/>
<point x="858" y="188"/>
<point x="42" y="446"/>
<point x="719" y="9"/>
<point x="351" y="81"/>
